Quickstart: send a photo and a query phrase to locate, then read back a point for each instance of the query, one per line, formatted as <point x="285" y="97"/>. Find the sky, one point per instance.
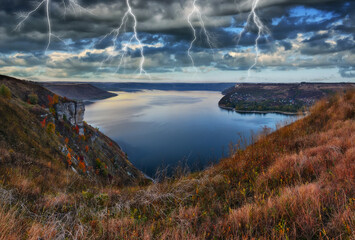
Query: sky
<point x="178" y="40"/>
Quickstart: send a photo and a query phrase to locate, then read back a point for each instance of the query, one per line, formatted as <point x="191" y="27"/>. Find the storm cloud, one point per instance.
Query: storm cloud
<point x="302" y="34"/>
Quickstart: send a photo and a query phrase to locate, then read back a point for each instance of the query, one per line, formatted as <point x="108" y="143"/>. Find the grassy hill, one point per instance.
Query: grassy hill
<point x="297" y="182"/>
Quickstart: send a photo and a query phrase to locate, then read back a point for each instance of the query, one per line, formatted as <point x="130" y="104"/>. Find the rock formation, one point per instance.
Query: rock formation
<point x="73" y="112"/>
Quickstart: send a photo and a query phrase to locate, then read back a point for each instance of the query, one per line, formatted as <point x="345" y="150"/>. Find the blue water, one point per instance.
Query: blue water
<point x="160" y="129"/>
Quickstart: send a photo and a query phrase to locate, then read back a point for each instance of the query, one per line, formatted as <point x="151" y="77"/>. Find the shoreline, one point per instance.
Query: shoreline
<point x="260" y="112"/>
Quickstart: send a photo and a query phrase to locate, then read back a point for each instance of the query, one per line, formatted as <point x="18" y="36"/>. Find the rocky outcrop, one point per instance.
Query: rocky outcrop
<point x="73" y="112"/>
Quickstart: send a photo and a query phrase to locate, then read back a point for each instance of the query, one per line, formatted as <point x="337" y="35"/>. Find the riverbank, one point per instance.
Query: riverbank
<point x="262" y="112"/>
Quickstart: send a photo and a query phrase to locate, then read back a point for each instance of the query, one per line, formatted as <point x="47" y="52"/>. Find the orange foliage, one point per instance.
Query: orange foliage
<point x="69" y="159"/>
<point x="43" y="122"/>
<point x="86" y="148"/>
<point x="66" y="140"/>
<point x="82" y="137"/>
<point x="76" y="129"/>
<point x="50" y="100"/>
<point x="51" y="128"/>
<point x="82" y="166"/>
<point x="55" y="99"/>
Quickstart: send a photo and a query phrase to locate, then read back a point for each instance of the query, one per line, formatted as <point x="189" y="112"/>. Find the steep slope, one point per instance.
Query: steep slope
<point x="52" y="128"/>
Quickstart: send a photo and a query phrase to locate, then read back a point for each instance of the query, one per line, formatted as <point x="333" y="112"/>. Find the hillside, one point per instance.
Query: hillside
<point x="295" y="183"/>
<point x="40" y="128"/>
<point x="78" y="91"/>
<point x="278" y="97"/>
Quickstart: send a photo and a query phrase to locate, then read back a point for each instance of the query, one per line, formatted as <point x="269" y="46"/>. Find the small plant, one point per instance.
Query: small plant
<point x="5" y="92"/>
<point x="81" y="164"/>
<point x="76" y="129"/>
<point x="43" y="122"/>
<point x="33" y="98"/>
<point x="51" y="128"/>
<point x="55" y="99"/>
<point x="52" y="110"/>
<point x="50" y="100"/>
<point x="69" y="159"/>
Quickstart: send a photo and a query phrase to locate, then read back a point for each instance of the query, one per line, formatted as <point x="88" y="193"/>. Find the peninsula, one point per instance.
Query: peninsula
<point x="290" y="98"/>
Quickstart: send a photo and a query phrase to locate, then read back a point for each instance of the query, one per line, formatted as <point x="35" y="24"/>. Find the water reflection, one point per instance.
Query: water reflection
<point x="160" y="128"/>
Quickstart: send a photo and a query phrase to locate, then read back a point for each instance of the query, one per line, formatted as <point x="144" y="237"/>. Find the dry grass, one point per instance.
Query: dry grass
<point x="297" y="182"/>
<point x="8" y="225"/>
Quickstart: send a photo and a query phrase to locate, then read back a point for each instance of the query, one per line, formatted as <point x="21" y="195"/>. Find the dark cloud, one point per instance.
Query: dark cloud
<point x="163" y="28"/>
<point x="347" y="72"/>
<point x="287" y="45"/>
<point x="321" y="46"/>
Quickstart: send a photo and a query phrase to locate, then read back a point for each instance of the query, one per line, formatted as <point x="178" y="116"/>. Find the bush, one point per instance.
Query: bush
<point x="52" y="110"/>
<point x="33" y="98"/>
<point x="5" y="91"/>
<point x="51" y="128"/>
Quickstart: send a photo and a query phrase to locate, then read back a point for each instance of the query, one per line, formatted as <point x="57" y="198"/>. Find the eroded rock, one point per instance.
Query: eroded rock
<point x="73" y="112"/>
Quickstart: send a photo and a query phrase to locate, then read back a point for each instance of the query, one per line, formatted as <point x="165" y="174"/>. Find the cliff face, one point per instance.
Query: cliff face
<point x="55" y="127"/>
<point x="73" y="112"/>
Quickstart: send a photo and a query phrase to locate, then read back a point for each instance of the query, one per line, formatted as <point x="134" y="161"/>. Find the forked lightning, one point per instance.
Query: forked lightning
<point x="262" y="29"/>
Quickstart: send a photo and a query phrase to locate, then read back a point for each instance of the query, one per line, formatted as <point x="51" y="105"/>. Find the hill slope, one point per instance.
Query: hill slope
<point x="78" y="91"/>
<point x="50" y="130"/>
<point x="297" y="182"/>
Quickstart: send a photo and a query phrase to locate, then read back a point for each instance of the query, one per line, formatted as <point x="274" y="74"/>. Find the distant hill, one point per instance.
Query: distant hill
<point x="78" y="91"/>
<point x="137" y="86"/>
<point x="278" y="97"/>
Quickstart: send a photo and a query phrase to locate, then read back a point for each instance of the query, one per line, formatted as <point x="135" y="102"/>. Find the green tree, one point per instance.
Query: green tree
<point x="5" y="91"/>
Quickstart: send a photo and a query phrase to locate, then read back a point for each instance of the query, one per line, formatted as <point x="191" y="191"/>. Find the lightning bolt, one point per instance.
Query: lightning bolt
<point x="196" y="12"/>
<point x="262" y="29"/>
<point x="73" y="4"/>
<point x="125" y="46"/>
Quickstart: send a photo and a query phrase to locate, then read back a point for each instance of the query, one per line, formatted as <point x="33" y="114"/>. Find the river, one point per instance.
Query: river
<point x="159" y="129"/>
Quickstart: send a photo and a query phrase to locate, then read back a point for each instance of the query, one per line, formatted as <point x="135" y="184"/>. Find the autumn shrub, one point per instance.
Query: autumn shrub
<point x="82" y="166"/>
<point x="5" y="92"/>
<point x="52" y="110"/>
<point x="50" y="128"/>
<point x="100" y="167"/>
<point x="55" y="99"/>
